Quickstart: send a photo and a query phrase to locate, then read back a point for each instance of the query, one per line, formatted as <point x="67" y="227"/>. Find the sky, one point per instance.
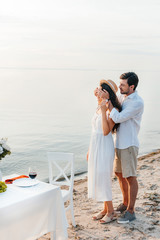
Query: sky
<point x="80" y="34"/>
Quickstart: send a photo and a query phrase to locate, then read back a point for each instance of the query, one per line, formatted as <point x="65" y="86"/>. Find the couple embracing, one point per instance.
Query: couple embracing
<point x="121" y="116"/>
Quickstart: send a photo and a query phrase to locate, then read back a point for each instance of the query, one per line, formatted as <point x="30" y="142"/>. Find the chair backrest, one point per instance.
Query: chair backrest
<point x="64" y="163"/>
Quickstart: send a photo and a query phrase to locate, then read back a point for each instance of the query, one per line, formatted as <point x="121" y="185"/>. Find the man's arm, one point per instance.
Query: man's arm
<point x="128" y="113"/>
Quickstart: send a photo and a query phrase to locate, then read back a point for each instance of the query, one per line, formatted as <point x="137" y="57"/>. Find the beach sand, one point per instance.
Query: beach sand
<point x="147" y="223"/>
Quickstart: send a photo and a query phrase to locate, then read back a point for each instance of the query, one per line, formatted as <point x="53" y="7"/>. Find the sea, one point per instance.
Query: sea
<point x="50" y="109"/>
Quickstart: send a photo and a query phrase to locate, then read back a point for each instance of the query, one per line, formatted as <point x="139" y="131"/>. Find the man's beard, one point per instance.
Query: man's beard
<point x="124" y="92"/>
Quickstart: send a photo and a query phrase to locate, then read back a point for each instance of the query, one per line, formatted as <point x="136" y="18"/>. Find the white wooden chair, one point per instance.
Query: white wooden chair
<point x="62" y="162"/>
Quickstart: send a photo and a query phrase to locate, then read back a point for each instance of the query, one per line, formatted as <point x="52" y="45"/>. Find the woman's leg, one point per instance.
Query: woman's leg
<point x="105" y="210"/>
<point x="109" y="207"/>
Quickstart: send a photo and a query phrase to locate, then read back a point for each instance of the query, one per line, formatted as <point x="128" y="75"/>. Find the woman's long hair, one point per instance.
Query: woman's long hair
<point x="114" y="100"/>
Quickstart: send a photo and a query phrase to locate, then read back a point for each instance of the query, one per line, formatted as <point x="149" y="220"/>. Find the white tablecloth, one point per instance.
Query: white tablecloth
<point x="27" y="213"/>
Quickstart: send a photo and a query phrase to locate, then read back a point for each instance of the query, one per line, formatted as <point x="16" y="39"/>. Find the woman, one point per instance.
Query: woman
<point x="101" y="151"/>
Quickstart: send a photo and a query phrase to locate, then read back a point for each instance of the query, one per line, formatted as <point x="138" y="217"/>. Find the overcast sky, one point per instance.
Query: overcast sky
<point x="80" y="34"/>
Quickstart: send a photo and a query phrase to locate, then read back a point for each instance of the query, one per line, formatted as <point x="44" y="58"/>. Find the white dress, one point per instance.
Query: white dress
<point x="100" y="162"/>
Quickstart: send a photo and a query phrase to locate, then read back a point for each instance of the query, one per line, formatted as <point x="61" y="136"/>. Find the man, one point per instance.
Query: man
<point x="127" y="143"/>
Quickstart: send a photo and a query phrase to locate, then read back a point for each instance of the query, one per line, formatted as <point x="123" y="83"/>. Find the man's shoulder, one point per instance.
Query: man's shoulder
<point x="134" y="101"/>
<point x="139" y="98"/>
<point x="137" y="102"/>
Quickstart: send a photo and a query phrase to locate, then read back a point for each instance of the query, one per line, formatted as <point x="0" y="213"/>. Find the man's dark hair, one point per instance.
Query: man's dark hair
<point x="132" y="78"/>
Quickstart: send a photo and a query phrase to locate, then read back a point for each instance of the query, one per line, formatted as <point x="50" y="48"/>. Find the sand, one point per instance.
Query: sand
<point x="147" y="208"/>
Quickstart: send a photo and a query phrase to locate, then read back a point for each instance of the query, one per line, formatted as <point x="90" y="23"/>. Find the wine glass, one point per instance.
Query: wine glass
<point x="32" y="172"/>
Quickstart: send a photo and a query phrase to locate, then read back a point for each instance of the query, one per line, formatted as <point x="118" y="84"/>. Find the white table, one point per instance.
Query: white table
<point x="27" y="213"/>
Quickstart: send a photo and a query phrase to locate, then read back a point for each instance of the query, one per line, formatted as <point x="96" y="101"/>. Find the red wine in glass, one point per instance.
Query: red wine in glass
<point x="32" y="175"/>
<point x="32" y="172"/>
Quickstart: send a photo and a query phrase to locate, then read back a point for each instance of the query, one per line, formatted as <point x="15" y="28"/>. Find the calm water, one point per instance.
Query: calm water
<point x="50" y="110"/>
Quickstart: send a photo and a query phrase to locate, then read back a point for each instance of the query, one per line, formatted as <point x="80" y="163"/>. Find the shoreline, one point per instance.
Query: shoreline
<point x="147" y="207"/>
<point x="78" y="175"/>
<point x="140" y="157"/>
<point x="82" y="175"/>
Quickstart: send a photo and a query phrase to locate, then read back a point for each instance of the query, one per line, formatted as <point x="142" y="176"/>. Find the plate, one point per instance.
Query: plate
<point x="25" y="182"/>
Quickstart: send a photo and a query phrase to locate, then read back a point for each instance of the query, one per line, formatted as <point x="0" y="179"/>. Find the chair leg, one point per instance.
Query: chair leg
<point x="72" y="213"/>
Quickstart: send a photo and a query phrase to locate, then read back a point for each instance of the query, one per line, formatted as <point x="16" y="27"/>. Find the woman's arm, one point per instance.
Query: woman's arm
<point x="107" y="124"/>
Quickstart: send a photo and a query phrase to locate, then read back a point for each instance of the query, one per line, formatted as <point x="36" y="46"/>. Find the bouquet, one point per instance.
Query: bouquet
<point x="4" y="148"/>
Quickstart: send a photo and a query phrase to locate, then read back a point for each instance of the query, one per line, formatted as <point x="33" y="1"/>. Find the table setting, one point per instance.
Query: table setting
<point x="30" y="208"/>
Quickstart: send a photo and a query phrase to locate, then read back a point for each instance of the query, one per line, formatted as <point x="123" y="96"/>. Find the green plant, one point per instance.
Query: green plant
<point x="3" y="187"/>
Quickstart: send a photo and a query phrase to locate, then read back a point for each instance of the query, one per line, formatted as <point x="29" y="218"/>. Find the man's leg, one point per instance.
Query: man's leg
<point x="132" y="193"/>
<point x="129" y="215"/>
<point x="129" y="166"/>
<point x="124" y="187"/>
